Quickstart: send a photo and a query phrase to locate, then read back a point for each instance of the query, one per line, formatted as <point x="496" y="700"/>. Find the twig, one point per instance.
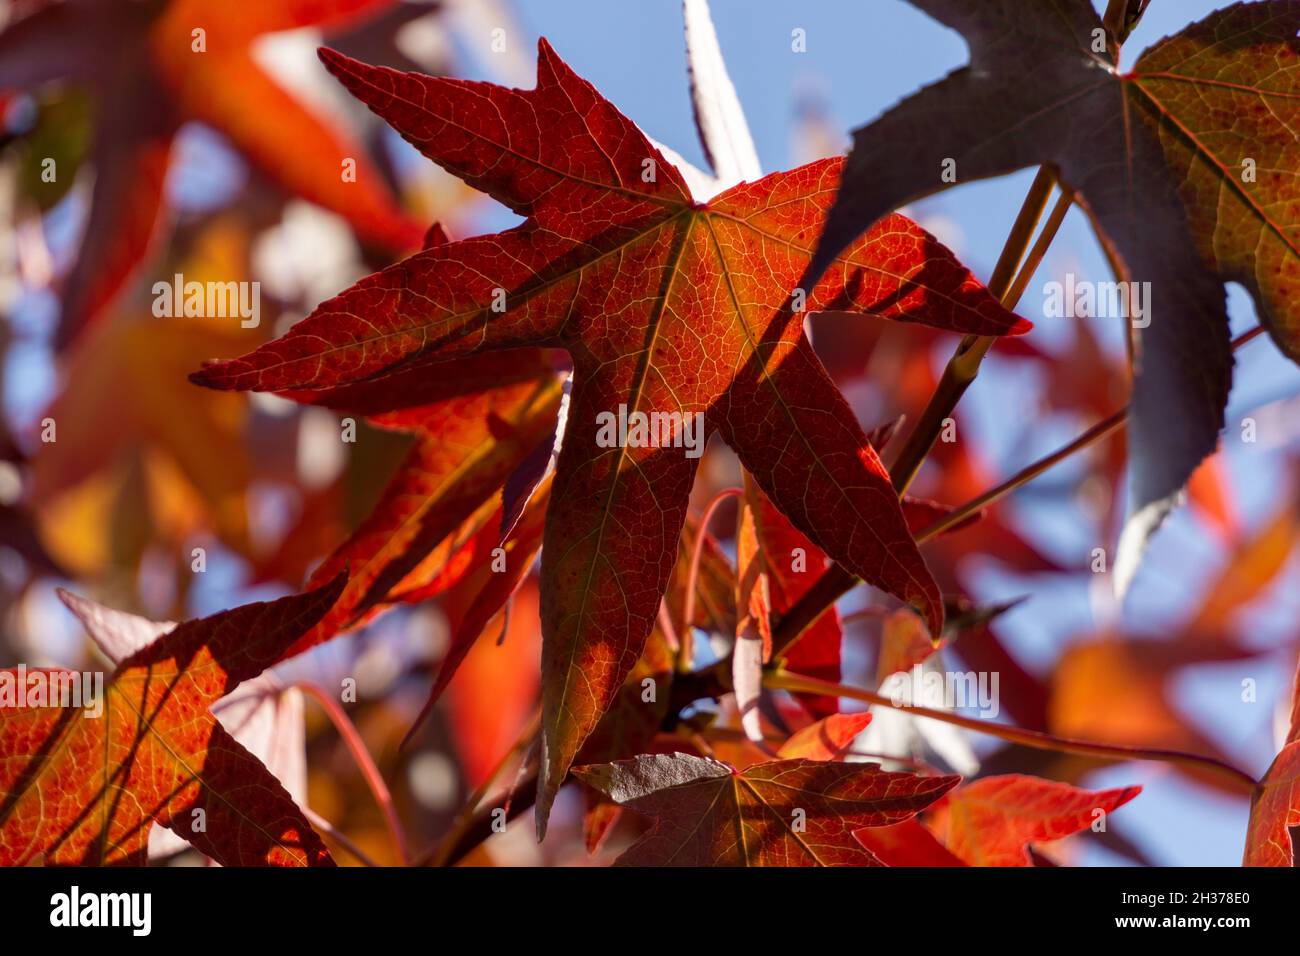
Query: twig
<point x="965" y="362"/>
<point x="831" y="586"/>
<point x="1027" y="474"/>
<point x="1108" y="425"/>
<point x="957" y="376"/>
<point x="1028" y="738"/>
<point x="481" y="827"/>
<point x="685" y="634"/>
<point x="357" y="747"/>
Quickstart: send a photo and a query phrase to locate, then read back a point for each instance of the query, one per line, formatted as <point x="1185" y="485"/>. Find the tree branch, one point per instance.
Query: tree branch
<point x="1016" y="735"/>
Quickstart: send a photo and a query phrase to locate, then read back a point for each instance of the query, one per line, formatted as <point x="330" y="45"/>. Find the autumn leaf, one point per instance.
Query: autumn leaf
<point x="628" y="728"/>
<point x="474" y="423"/>
<point x="791" y="565"/>
<point x="1176" y="129"/>
<point x="904" y="643"/>
<point x="1119" y="689"/>
<point x="992" y="821"/>
<point x="908" y="843"/>
<point x="1275" y="804"/>
<point x="83" y="789"/>
<point x="493" y="690"/>
<point x="495" y="570"/>
<point x="132" y="55"/>
<point x="1275" y="812"/>
<point x="261" y="715"/>
<point x="637" y="714"/>
<point x="825" y="739"/>
<point x="783" y="813"/>
<point x="665" y="304"/>
<point x="119" y="402"/>
<point x="1250" y="569"/>
<point x="719" y="117"/>
<point x="1236" y="178"/>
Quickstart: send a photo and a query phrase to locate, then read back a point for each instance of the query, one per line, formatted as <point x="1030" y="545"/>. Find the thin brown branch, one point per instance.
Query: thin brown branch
<point x="1096" y="433"/>
<point x="965" y="362"/>
<point x="685" y="633"/>
<point x="1028" y="738"/>
<point x="836" y="582"/>
<point x="357" y="747"/>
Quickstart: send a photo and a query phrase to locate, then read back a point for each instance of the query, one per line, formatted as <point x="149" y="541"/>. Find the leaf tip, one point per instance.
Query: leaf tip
<point x="1125" y="794"/>
<point x="73" y="602"/>
<point x="947" y="782"/>
<point x="333" y="60"/>
<point x="1133" y="541"/>
<point x="209" y="376"/>
<point x="931" y="612"/>
<point x="546" y="788"/>
<point x="334" y="588"/>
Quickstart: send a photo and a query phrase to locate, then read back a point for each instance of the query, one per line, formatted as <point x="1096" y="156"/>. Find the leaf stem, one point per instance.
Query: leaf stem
<point x="1107" y="426"/>
<point x="1064" y="201"/>
<point x="1122" y="16"/>
<point x="835" y="583"/>
<point x="798" y="683"/>
<point x="480" y="827"/>
<point x="1007" y="283"/>
<point x="685" y="634"/>
<point x="1097" y="432"/>
<point x="965" y="362"/>
<point x="357" y="747"/>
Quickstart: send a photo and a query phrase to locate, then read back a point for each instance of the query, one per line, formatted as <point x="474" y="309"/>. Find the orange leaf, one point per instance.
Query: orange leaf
<point x="992" y="821"/>
<point x="84" y="787"/>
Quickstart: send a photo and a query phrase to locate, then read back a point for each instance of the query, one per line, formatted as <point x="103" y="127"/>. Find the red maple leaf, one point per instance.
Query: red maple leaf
<point x="439" y="518"/>
<point x="84" y="784"/>
<point x="666" y="305"/>
<point x="784" y="813"/>
<point x="992" y="821"/>
<point x="1275" y="805"/>
<point x="1275" y="812"/>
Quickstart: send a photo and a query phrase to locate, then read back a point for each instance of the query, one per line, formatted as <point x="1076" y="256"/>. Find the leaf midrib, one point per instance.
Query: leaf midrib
<point x="643" y="374"/>
<point x="789" y="413"/>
